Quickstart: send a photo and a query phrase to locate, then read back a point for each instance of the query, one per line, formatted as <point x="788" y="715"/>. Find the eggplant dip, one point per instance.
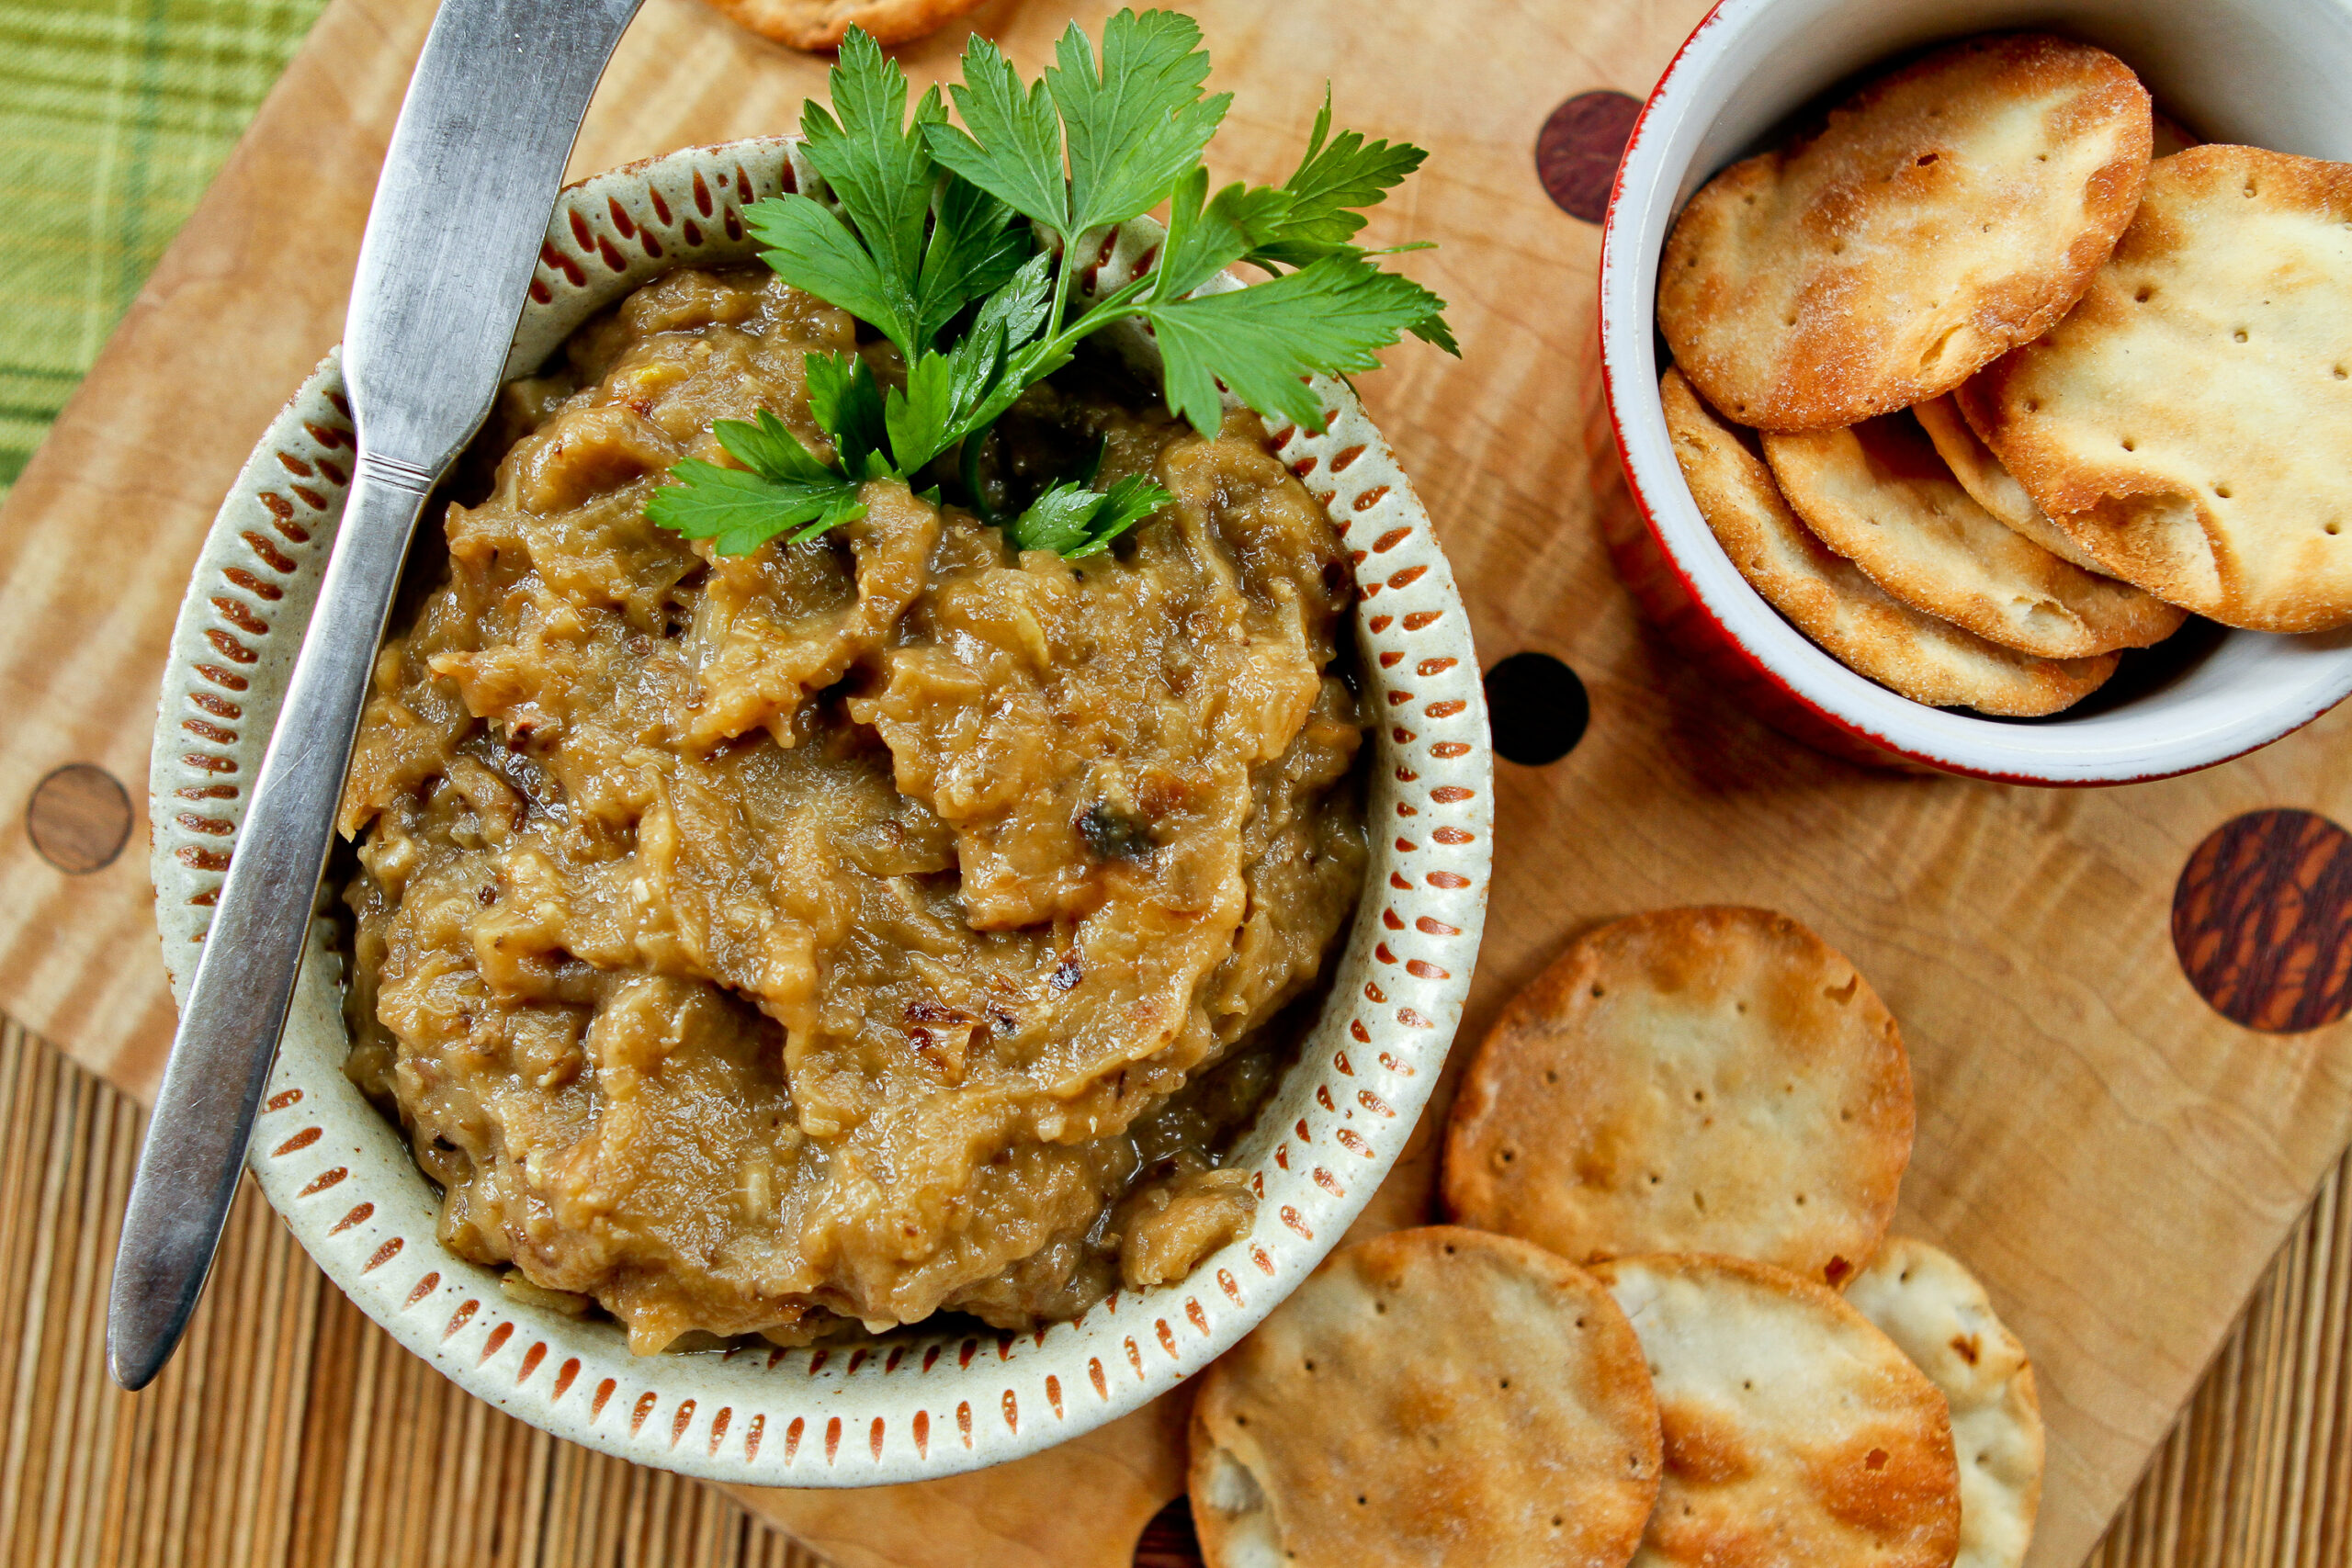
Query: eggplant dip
<point x="856" y="928"/>
<point x="834" y="839"/>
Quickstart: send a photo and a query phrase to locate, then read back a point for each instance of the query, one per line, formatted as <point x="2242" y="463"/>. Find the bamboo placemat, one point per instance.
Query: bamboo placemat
<point x="291" y="1432"/>
<point x="289" y="1429"/>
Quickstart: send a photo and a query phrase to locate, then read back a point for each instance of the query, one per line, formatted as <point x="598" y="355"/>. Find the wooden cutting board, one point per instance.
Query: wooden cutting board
<point x="2116" y="1159"/>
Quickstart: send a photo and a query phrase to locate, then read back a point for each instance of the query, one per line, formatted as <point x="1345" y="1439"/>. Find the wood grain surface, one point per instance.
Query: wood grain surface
<point x="2116" y="1159"/>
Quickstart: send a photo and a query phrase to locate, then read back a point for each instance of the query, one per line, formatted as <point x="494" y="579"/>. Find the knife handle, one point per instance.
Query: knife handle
<point x="227" y="1031"/>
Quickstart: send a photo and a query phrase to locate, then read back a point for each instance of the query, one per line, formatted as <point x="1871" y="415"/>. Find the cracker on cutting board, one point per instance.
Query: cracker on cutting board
<point x="1689" y="1080"/>
<point x="1947" y="213"/>
<point x="1828" y="598"/>
<point x="819" y="24"/>
<point x="1879" y="495"/>
<point x="1431" y="1396"/>
<point x="1921" y="1298"/>
<point x="1994" y="486"/>
<point x="2187" y="424"/>
<point x="1795" y="1431"/>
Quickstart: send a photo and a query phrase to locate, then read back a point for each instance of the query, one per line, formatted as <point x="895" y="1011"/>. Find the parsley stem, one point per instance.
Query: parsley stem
<point x="1101" y="314"/>
<point x="1061" y="289"/>
<point x="970" y="467"/>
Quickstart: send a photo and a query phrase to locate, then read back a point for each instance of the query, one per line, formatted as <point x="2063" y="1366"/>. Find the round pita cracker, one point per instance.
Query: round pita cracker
<point x="1432" y="1395"/>
<point x="1829" y="599"/>
<point x="1689" y="1080"/>
<point x="1879" y="495"/>
<point x="819" y="24"/>
<point x="1945" y="214"/>
<point x="1993" y="487"/>
<point x="1922" y="1298"/>
<point x="1795" y="1432"/>
<point x="2187" y="424"/>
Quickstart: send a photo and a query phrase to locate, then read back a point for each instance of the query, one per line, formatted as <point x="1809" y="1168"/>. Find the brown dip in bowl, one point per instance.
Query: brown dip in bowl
<point x="1342" y="1091"/>
<point x="855" y="929"/>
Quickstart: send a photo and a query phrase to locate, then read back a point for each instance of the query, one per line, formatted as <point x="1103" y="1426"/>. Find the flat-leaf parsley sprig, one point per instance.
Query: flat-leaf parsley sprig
<point x="958" y="244"/>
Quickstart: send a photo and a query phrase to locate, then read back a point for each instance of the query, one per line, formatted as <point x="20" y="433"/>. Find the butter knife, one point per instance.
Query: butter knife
<point x="474" y="167"/>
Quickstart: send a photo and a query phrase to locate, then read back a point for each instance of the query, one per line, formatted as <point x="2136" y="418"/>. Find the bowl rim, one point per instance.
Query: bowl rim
<point x="1950" y="740"/>
<point x="922" y="1402"/>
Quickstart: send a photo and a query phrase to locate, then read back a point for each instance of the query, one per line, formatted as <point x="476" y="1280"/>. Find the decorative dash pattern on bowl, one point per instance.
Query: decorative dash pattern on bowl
<point x="921" y="1401"/>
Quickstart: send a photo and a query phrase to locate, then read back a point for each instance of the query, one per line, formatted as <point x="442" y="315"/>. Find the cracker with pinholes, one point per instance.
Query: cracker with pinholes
<point x="1795" y="1432"/>
<point x="1829" y="599"/>
<point x="1991" y="486"/>
<point x="821" y="24"/>
<point x="1428" y="1397"/>
<point x="1922" y="1299"/>
<point x="1689" y="1080"/>
<point x="1946" y="213"/>
<point x="2188" y="423"/>
<point x="1879" y="495"/>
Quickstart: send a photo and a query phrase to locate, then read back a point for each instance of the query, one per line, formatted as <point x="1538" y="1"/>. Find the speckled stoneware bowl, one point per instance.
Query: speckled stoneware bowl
<point x="913" y="1404"/>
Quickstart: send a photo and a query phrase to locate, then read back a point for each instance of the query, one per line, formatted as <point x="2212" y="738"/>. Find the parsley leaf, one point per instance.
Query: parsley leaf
<point x="1432" y="328"/>
<point x="1307" y="217"/>
<point x="787" y="488"/>
<point x="1074" y="520"/>
<point x="1331" y="182"/>
<point x="1203" y="242"/>
<point x="1128" y="502"/>
<point x="1012" y="143"/>
<point x="1134" y="129"/>
<point x="739" y="511"/>
<point x="1264" y="340"/>
<point x="977" y="244"/>
<point x="811" y="248"/>
<point x="930" y="235"/>
<point x="1057" y="520"/>
<point x="1021" y="310"/>
<point x="919" y="416"/>
<point x="992" y="362"/>
<point x="878" y="166"/>
<point x="1016" y="310"/>
<point x="766" y="446"/>
<point x="846" y="404"/>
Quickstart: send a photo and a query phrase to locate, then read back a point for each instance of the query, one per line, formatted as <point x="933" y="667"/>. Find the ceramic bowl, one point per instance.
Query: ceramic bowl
<point x="921" y="1401"/>
<point x="2265" y="72"/>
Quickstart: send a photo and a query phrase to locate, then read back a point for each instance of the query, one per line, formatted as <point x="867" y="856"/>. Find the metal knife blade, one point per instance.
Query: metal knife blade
<point x="474" y="167"/>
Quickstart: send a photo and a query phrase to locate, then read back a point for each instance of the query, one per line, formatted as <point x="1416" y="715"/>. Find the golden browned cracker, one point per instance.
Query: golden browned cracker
<point x="1829" y="599"/>
<point x="1922" y="1298"/>
<point x="1879" y="495"/>
<point x="1797" y="1433"/>
<point x="1429" y="1396"/>
<point x="2189" y="425"/>
<point x="1689" y="1080"/>
<point x="819" y="24"/>
<point x="1994" y="486"/>
<point x="1946" y="213"/>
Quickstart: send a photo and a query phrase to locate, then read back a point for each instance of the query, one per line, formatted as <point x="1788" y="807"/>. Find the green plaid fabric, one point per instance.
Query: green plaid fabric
<point x="114" y="115"/>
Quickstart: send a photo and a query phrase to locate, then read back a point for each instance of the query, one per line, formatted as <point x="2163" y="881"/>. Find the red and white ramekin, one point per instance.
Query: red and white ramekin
<point x="2270" y="73"/>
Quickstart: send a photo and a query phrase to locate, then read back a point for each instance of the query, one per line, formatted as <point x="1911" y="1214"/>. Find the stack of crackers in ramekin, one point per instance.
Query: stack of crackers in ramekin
<point x="1669" y="1326"/>
<point x="1979" y="393"/>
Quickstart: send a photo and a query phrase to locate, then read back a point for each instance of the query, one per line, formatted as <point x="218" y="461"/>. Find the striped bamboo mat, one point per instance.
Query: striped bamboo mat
<point x="291" y="1431"/>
